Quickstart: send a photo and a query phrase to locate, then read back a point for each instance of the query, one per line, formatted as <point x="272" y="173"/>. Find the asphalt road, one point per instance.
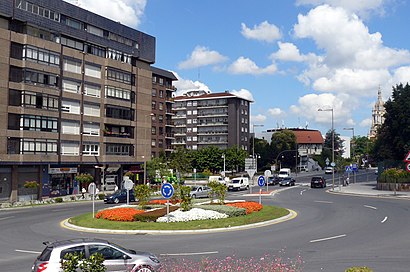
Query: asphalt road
<point x="330" y="233"/>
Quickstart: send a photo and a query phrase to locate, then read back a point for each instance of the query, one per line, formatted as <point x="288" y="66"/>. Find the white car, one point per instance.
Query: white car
<point x="238" y="184"/>
<point x="329" y="170"/>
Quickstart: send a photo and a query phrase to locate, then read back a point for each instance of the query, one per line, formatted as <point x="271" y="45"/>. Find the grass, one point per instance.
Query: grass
<point x="267" y="213"/>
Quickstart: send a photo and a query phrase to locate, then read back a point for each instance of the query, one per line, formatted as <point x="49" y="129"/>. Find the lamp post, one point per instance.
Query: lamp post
<point x="223" y="157"/>
<point x="333" y="149"/>
<point x="351" y="143"/>
<point x="102" y="168"/>
<point x="145" y="150"/>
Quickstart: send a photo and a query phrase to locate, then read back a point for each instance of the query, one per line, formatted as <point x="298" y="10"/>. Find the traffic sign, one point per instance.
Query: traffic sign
<point x="128" y="184"/>
<point x="327" y="161"/>
<point x="408" y="167"/>
<point x="407" y="158"/>
<point x="261" y="181"/>
<point x="92" y="188"/>
<point x="167" y="190"/>
<point x="267" y="173"/>
<point x="354" y="167"/>
<point x="333" y="164"/>
<point x="348" y="169"/>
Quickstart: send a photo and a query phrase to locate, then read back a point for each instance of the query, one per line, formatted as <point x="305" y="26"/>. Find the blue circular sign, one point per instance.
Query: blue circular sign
<point x="261" y="181"/>
<point x="167" y="190"/>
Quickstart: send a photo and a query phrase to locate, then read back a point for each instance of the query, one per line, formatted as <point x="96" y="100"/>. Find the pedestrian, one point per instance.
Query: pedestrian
<point x="83" y="191"/>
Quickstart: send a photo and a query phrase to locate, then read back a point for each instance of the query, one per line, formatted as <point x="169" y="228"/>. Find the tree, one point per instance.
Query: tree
<point x="181" y="160"/>
<point x="208" y="158"/>
<point x="157" y="164"/>
<point x="393" y="139"/>
<point x="282" y="141"/>
<point x="328" y="145"/>
<point x="235" y="158"/>
<point x="264" y="149"/>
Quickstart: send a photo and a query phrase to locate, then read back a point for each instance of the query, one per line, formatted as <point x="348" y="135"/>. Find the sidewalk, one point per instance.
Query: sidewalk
<point x="368" y="189"/>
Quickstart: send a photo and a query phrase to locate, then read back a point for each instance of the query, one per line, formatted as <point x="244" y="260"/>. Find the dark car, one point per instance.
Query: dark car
<point x="287" y="181"/>
<point x="318" y="182"/>
<point x="119" y="196"/>
<point x="273" y="181"/>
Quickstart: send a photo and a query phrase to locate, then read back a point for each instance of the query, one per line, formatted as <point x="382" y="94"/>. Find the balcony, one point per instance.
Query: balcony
<point x="170" y="135"/>
<point x="118" y="132"/>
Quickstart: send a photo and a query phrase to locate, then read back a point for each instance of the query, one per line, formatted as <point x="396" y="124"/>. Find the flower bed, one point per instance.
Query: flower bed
<point x="193" y="214"/>
<point x="118" y="214"/>
<point x="161" y="202"/>
<point x="250" y="206"/>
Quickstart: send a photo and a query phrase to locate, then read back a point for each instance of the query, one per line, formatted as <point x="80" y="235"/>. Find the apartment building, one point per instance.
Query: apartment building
<point x="161" y="115"/>
<point x="75" y="90"/>
<point x="215" y="119"/>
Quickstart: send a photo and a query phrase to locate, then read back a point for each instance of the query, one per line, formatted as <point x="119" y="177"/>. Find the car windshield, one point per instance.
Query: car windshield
<point x="129" y="251"/>
<point x="194" y="188"/>
<point x="235" y="181"/>
<point x="283" y="173"/>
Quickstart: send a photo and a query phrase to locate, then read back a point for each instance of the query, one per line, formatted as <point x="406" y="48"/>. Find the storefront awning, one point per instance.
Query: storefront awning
<point x="113" y="168"/>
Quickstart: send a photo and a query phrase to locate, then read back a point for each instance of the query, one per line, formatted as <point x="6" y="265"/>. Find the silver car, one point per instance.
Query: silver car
<point x="116" y="258"/>
<point x="199" y="191"/>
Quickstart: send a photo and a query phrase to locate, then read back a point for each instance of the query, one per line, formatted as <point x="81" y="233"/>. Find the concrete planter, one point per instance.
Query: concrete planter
<point x="390" y="186"/>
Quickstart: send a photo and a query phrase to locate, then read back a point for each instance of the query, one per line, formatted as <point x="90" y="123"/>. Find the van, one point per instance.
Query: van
<point x="238" y="184"/>
<point x="110" y="182"/>
<point x="284" y="173"/>
<point x="219" y="179"/>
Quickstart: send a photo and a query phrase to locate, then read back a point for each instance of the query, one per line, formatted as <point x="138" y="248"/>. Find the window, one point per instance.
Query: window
<point x="161" y="93"/>
<point x="153" y="143"/>
<point x="189" y="103"/>
<point x="32" y="77"/>
<point x="32" y="122"/>
<point x="161" y="106"/>
<point x="154" y="92"/>
<point x="153" y="130"/>
<point x="194" y="103"/>
<point x="92" y="90"/>
<point x="189" y="121"/>
<point x="70" y="127"/>
<point x="74" y="23"/>
<point x="91" y="150"/>
<point x="37" y="10"/>
<point x="72" y="66"/>
<point x="153" y="105"/>
<point x="71" y="86"/>
<point x="119" y="149"/>
<point x="120" y="93"/>
<point x="189" y="138"/>
<point x="78" y="250"/>
<point x="194" y="129"/>
<point x="70" y="148"/>
<point x="120" y="76"/>
<point x="119" y="113"/>
<point x="189" y="112"/>
<point x="41" y="55"/>
<point x="194" y="138"/>
<point x="31" y="146"/>
<point x="160" y="118"/>
<point x="94" y="50"/>
<point x="109" y="253"/>
<point x="72" y="43"/>
<point x="92" y="129"/>
<point x="91" y="110"/>
<point x="118" y="55"/>
<point x="92" y="71"/>
<point x="95" y="30"/>
<point x="70" y="106"/>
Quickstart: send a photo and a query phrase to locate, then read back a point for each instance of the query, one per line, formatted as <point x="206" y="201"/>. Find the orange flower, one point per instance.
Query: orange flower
<point x="118" y="214"/>
<point x="250" y="206"/>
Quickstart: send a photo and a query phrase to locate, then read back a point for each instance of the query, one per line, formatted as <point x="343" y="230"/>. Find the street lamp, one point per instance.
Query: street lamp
<point x="145" y="149"/>
<point x="223" y="157"/>
<point x="351" y="143"/>
<point x="333" y="149"/>
<point x="102" y="169"/>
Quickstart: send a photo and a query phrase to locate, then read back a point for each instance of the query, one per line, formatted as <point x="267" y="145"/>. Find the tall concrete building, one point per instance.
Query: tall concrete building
<point x="215" y="119"/>
<point x="75" y="93"/>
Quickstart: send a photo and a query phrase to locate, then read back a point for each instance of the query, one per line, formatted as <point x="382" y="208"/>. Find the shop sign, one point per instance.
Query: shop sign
<point x="63" y="170"/>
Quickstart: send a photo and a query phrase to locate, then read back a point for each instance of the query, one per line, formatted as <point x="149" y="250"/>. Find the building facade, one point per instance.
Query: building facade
<point x="75" y="90"/>
<point x="378" y="112"/>
<point x="215" y="119"/>
<point x="161" y="105"/>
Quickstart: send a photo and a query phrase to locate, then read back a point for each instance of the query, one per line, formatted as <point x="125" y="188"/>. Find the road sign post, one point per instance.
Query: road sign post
<point x="128" y="184"/>
<point x="267" y="174"/>
<point x="251" y="170"/>
<point x="92" y="190"/>
<point x="167" y="191"/>
<point x="261" y="183"/>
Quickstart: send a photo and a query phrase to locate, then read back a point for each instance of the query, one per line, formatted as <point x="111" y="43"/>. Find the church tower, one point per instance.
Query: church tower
<point x="377" y="115"/>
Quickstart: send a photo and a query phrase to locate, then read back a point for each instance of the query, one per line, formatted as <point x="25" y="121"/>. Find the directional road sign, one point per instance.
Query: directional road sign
<point x="167" y="190"/>
<point x="261" y="181"/>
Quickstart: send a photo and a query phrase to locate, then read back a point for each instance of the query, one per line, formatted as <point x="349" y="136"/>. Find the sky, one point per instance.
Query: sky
<point x="290" y="58"/>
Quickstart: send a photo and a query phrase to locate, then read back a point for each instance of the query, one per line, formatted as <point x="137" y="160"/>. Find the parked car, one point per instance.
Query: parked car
<point x="288" y="181"/>
<point x="273" y="180"/>
<point x="119" y="196"/>
<point x="240" y="183"/>
<point x="318" y="182"/>
<point x="116" y="257"/>
<point x="199" y="191"/>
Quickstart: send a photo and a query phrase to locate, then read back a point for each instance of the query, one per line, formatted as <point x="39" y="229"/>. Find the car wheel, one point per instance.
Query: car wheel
<point x="144" y="268"/>
<point x="116" y="200"/>
<point x="193" y="196"/>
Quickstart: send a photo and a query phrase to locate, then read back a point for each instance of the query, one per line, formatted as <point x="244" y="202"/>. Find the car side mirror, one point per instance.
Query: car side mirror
<point x="126" y="257"/>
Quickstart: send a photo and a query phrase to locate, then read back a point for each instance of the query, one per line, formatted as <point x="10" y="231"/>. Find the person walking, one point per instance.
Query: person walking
<point x="83" y="191"/>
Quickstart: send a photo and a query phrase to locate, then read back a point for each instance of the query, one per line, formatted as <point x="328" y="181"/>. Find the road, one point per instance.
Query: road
<point x="330" y="233"/>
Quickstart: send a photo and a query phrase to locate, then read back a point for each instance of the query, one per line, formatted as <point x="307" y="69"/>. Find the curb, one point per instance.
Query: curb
<point x="370" y="196"/>
<point x="292" y="214"/>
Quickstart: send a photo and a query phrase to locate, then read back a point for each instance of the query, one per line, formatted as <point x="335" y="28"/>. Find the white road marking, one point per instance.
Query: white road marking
<point x="301" y="192"/>
<point x="328" y="238"/>
<point x="8" y="217"/>
<point x="28" y="251"/>
<point x="370" y="207"/>
<point x="384" y="220"/>
<point x="321" y="201"/>
<point x="189" y="254"/>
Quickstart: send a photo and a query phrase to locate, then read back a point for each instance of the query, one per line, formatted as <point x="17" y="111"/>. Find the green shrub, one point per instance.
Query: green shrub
<point x="358" y="269"/>
<point x="217" y="189"/>
<point x="72" y="262"/>
<point x="58" y="200"/>
<point x="185" y="198"/>
<point x="393" y="175"/>
<point x="152" y="216"/>
<point x="228" y="210"/>
<point x="101" y="196"/>
<point x="142" y="193"/>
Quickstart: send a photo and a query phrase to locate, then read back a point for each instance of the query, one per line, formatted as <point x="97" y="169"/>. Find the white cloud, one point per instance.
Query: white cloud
<point x="202" y="56"/>
<point x="352" y="56"/>
<point x="287" y="52"/>
<point x="127" y="12"/>
<point x="246" y="66"/>
<point x="243" y="93"/>
<point x="186" y="85"/>
<point x="366" y="122"/>
<point x="341" y="104"/>
<point x="262" y="32"/>
<point x="358" y="6"/>
<point x="275" y="112"/>
<point x="258" y="118"/>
